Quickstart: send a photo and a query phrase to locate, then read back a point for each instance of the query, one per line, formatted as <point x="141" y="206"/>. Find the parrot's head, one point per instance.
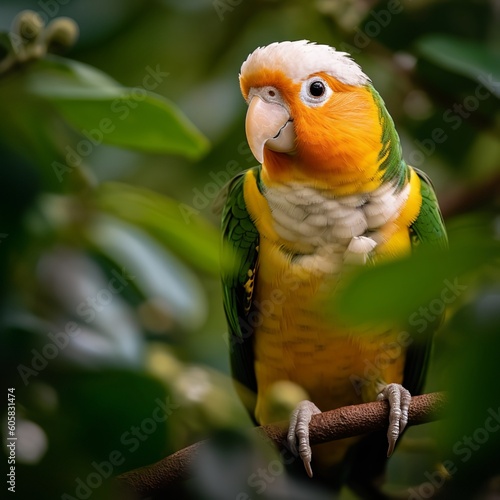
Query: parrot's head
<point x="312" y="113"/>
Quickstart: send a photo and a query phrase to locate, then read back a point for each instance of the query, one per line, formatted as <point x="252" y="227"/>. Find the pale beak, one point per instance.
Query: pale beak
<point x="268" y="125"/>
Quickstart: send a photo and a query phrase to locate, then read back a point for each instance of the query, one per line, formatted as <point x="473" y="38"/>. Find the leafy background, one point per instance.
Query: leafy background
<point x="136" y="201"/>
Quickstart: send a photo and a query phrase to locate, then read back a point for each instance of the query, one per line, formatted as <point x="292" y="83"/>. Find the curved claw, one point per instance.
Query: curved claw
<point x="299" y="431"/>
<point x="399" y="401"/>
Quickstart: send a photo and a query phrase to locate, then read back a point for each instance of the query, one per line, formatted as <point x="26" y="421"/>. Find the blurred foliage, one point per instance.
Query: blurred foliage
<point x="112" y="329"/>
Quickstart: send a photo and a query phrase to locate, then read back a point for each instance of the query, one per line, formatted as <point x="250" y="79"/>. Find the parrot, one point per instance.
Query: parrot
<point x="332" y="192"/>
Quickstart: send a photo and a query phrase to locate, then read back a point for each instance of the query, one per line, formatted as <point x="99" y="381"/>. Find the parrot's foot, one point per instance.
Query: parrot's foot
<point x="299" y="431"/>
<point x="399" y="401"/>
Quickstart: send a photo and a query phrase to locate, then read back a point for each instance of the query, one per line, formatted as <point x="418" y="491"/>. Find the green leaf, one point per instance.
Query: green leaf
<point x="27" y="129"/>
<point x="191" y="238"/>
<point x="103" y="416"/>
<point x="464" y="57"/>
<point x="470" y="356"/>
<point x="105" y="112"/>
<point x="396" y="290"/>
<point x="56" y="76"/>
<point x="168" y="287"/>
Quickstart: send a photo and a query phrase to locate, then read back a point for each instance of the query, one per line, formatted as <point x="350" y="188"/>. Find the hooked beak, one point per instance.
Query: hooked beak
<point x="270" y="125"/>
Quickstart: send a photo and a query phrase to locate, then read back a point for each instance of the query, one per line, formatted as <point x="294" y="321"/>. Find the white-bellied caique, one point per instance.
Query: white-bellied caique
<point x="332" y="191"/>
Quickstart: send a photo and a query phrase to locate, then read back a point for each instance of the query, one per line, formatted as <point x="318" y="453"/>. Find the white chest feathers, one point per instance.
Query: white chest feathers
<point x="324" y="231"/>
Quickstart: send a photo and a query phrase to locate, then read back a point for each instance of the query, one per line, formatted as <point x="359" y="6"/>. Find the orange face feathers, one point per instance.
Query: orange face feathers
<point x="340" y="133"/>
<point x="335" y="120"/>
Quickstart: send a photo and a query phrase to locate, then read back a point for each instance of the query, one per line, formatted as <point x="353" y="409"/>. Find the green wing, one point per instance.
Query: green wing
<point x="241" y="235"/>
<point x="427" y="230"/>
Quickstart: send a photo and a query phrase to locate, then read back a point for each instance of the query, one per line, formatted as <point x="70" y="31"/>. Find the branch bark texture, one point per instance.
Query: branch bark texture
<point x="328" y="426"/>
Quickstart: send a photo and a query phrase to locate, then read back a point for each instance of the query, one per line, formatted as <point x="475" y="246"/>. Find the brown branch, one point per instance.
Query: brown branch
<point x="327" y="426"/>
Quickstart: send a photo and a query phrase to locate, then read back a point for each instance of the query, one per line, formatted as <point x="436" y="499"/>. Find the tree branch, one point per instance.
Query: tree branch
<point x="327" y="426"/>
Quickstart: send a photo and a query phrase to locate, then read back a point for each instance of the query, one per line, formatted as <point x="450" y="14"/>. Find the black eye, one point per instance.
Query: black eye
<point x="317" y="89"/>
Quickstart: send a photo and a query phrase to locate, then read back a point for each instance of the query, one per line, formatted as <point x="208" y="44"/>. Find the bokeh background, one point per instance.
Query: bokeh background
<point x="112" y="328"/>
